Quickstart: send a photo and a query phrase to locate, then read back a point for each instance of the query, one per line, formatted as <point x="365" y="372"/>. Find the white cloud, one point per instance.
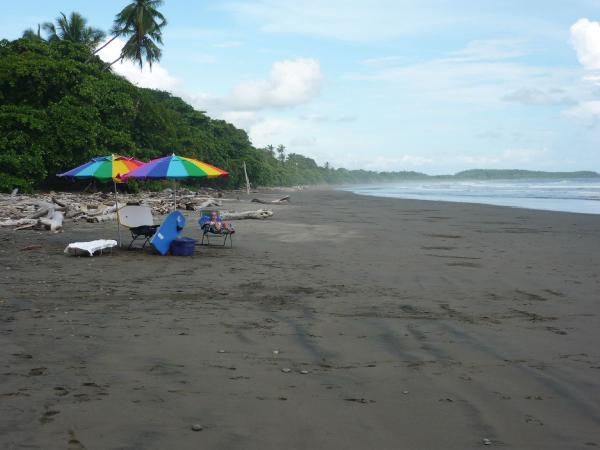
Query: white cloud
<point x="290" y="83"/>
<point x="482" y="72"/>
<point x="490" y="50"/>
<point x="270" y="131"/>
<point x="156" y="78"/>
<point x="585" y="110"/>
<point x="539" y="97"/>
<point x="585" y="36"/>
<point x="241" y="119"/>
<point x="303" y="141"/>
<point x="263" y="131"/>
<point x="294" y="133"/>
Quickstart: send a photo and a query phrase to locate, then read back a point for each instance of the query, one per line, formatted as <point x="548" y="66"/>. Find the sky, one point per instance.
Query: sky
<point x="431" y="86"/>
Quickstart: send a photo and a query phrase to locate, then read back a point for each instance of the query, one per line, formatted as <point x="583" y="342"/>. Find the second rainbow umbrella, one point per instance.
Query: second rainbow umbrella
<point x="174" y="168"/>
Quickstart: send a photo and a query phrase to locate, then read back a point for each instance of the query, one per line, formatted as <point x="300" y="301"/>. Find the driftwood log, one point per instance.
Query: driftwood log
<point x="196" y="204"/>
<point x="54" y="222"/>
<point x="280" y="201"/>
<point x="17" y="222"/>
<point x="258" y="214"/>
<point x="101" y="218"/>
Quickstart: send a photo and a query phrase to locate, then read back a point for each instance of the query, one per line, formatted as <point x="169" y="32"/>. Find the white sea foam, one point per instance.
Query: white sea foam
<point x="580" y="195"/>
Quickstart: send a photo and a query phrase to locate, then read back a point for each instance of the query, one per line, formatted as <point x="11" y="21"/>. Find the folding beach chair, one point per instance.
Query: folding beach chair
<point x="138" y="218"/>
<point x="208" y="232"/>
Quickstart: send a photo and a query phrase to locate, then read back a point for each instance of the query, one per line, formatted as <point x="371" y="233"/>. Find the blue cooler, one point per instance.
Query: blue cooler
<point x="183" y="246"/>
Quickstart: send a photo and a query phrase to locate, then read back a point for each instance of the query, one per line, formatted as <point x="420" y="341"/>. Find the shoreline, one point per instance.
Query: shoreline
<point x="570" y="204"/>
<point x="390" y="315"/>
<point x="476" y="204"/>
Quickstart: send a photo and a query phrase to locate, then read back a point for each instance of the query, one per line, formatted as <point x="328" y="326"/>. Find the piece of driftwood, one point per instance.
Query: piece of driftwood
<point x="47" y="211"/>
<point x="59" y="202"/>
<point x="53" y="223"/>
<point x="208" y="203"/>
<point x="280" y="201"/>
<point x="28" y="226"/>
<point x="258" y="214"/>
<point x="195" y="204"/>
<point x="101" y="218"/>
<point x="17" y="222"/>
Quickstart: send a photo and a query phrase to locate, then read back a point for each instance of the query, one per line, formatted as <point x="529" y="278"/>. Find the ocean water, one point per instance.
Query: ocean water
<point x="572" y="195"/>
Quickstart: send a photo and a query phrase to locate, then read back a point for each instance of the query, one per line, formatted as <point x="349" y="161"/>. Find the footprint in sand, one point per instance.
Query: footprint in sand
<point x="74" y="443"/>
<point x="48" y="416"/>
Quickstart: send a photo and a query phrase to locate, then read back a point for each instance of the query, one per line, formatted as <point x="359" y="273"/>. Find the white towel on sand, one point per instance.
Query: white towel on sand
<point x="90" y="247"/>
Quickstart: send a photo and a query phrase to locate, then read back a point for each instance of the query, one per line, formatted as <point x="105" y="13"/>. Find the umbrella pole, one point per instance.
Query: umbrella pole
<point x="117" y="211"/>
<point x="174" y="195"/>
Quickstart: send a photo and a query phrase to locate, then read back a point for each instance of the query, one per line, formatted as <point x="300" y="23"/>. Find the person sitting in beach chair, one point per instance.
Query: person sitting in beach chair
<point x="211" y="224"/>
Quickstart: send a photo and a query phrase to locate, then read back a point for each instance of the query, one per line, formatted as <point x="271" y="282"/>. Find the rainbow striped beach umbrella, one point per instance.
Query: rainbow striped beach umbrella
<point x="105" y="168"/>
<point x="175" y="168"/>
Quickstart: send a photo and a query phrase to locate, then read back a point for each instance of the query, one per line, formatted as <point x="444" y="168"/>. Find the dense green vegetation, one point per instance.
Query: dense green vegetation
<point x="58" y="111"/>
<point x="59" y="107"/>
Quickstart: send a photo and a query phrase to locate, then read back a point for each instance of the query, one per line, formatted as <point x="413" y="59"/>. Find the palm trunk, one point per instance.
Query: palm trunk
<point x="110" y="65"/>
<point x="98" y="49"/>
<point x="113" y="38"/>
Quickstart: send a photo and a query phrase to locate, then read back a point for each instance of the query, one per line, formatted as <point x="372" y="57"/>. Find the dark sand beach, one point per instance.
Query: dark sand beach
<point x="404" y="325"/>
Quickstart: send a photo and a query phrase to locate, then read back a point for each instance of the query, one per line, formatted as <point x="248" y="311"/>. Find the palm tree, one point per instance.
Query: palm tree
<point x="270" y="150"/>
<point x="281" y="152"/>
<point x="142" y="23"/>
<point x="75" y="29"/>
<point x="30" y="34"/>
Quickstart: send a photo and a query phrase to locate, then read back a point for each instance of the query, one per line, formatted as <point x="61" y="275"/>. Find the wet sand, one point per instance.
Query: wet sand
<point x="404" y="325"/>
